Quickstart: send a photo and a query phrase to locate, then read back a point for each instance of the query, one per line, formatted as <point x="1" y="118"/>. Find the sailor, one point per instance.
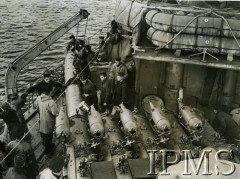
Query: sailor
<point x="101" y="41"/>
<point x="89" y="91"/>
<point x="17" y="102"/>
<point x="115" y="33"/>
<point x="54" y="170"/>
<point x="117" y="67"/>
<point x="45" y="83"/>
<point x="114" y="26"/>
<point x="88" y="55"/>
<point x="3" y="151"/>
<point x="130" y="82"/>
<point x="73" y="44"/>
<point x="10" y="117"/>
<point x="22" y="147"/>
<point x="18" y="171"/>
<point x="81" y="61"/>
<point x="120" y="90"/>
<point x="48" y="111"/>
<point x="105" y="92"/>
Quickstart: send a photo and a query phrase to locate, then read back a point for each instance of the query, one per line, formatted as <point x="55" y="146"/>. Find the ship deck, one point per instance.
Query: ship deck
<point x="110" y="160"/>
<point x="32" y="117"/>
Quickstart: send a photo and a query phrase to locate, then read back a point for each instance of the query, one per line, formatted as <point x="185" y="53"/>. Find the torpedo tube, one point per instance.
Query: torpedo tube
<point x="73" y="99"/>
<point x="62" y="125"/>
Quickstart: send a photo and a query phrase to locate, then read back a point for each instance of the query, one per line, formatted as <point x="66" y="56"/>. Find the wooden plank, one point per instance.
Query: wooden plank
<point x="103" y="170"/>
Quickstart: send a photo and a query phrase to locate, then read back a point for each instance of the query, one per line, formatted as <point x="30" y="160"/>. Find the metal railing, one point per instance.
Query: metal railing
<point x="57" y="74"/>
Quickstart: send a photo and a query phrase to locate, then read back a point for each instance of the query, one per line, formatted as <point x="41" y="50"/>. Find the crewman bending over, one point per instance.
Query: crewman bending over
<point x="45" y="83"/>
<point x="89" y="92"/>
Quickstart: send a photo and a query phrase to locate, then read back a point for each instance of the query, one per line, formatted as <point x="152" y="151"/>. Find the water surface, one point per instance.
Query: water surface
<point x="23" y="23"/>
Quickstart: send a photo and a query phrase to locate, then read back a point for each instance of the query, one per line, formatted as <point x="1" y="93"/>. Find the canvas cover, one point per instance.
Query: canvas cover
<point x="214" y="44"/>
<point x="129" y="13"/>
<point x="204" y="25"/>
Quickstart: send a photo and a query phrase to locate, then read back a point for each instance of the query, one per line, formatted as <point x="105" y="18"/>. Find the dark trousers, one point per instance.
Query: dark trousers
<point x="47" y="141"/>
<point x="92" y="100"/>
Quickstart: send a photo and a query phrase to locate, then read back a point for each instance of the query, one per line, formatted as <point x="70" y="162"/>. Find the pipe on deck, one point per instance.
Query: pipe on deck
<point x="229" y="88"/>
<point x="173" y="82"/>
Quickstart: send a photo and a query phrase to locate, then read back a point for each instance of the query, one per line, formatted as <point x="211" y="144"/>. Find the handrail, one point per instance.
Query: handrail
<point x="100" y="30"/>
<point x="20" y="62"/>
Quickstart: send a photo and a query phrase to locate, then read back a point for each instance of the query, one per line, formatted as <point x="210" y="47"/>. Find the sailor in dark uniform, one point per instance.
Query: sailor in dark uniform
<point x="73" y="44"/>
<point x="44" y="84"/>
<point x="117" y="67"/>
<point x="101" y="41"/>
<point x="89" y="91"/>
<point x="120" y="90"/>
<point x="17" y="102"/>
<point x="105" y="92"/>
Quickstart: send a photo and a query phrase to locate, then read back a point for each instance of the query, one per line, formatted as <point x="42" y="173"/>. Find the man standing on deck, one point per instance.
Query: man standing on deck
<point x="10" y="117"/>
<point x="73" y="44"/>
<point x="120" y="90"/>
<point x="45" y="83"/>
<point x="105" y="92"/>
<point x="48" y="112"/>
<point x="17" y="102"/>
<point x="89" y="92"/>
<point x="117" y="67"/>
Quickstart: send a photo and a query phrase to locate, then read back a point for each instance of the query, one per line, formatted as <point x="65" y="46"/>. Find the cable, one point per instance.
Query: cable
<point x="85" y="29"/>
<point x="77" y="76"/>
<point x="19" y="142"/>
<point x="183" y="29"/>
<point x="105" y="26"/>
<point x="228" y="26"/>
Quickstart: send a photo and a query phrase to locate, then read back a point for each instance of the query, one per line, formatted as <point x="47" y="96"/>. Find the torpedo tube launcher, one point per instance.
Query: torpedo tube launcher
<point x="128" y="122"/>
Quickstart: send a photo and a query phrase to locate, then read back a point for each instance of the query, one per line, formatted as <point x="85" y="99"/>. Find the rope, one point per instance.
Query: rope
<point x="228" y="27"/>
<point x="130" y="10"/>
<point x="183" y="29"/>
<point x="85" y="29"/>
<point x="106" y="26"/>
<point x="76" y="35"/>
<point x="19" y="142"/>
